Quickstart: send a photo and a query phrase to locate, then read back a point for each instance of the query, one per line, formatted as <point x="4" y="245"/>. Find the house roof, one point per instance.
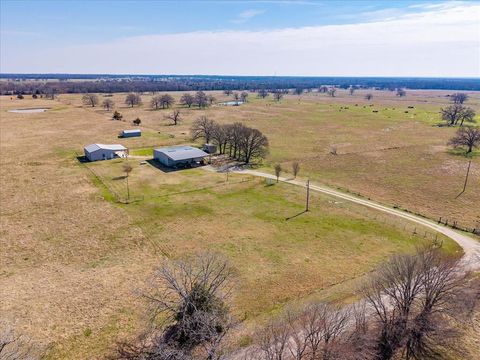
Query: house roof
<point x="182" y="152"/>
<point x="113" y="147"/>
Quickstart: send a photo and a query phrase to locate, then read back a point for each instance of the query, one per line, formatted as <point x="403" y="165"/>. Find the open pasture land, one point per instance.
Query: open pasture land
<point x="72" y="258"/>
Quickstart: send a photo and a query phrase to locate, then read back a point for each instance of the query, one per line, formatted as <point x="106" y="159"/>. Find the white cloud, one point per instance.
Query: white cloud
<point x="246" y="15"/>
<point x="439" y="42"/>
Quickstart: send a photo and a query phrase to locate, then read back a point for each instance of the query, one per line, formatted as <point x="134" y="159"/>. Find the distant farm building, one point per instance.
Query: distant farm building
<point x="210" y="148"/>
<point x="96" y="152"/>
<point x="130" y="133"/>
<point x="179" y="156"/>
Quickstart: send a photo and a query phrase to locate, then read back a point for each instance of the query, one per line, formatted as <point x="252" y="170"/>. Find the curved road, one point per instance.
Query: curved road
<point x="470" y="246"/>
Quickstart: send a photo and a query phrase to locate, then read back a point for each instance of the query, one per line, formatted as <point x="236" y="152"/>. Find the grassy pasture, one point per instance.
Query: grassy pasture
<point x="71" y="258"/>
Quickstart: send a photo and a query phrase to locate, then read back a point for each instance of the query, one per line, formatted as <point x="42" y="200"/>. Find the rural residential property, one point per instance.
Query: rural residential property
<point x="239" y="180"/>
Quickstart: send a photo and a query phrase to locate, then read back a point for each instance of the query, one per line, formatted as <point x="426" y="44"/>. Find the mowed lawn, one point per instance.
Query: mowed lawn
<point x="73" y="259"/>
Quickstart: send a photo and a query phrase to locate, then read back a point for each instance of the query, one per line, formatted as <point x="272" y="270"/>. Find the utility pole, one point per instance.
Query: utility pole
<point x="308" y="195"/>
<point x="466" y="179"/>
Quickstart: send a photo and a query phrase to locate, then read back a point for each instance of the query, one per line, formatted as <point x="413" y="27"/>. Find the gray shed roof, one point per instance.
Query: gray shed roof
<point x="134" y="131"/>
<point x="114" y="147"/>
<point x="182" y="152"/>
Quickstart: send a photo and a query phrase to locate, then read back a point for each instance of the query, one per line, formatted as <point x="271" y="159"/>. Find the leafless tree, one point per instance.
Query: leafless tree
<point x="401" y="92"/>
<point x="351" y="90"/>
<point x="236" y="132"/>
<point x="244" y="96"/>
<point x="262" y="93"/>
<point x="277" y="95"/>
<point x="211" y="99"/>
<point x="459" y="98"/>
<point x="108" y="104"/>
<point x="220" y="136"/>
<point x="201" y="99"/>
<point x="227" y="92"/>
<point x="204" y="128"/>
<point x="467" y="136"/>
<point x="133" y="99"/>
<point x="323" y="89"/>
<point x="167" y="100"/>
<point x="410" y="296"/>
<point x="272" y="340"/>
<point x="90" y="100"/>
<point x="187" y="100"/>
<point x="13" y="346"/>
<point x="190" y="297"/>
<point x="174" y="116"/>
<point x="332" y="91"/>
<point x="369" y="96"/>
<point x="253" y="144"/>
<point x="156" y="102"/>
<point x="278" y="171"/>
<point x="295" y="168"/>
<point x="457" y="114"/>
<point x="298" y="91"/>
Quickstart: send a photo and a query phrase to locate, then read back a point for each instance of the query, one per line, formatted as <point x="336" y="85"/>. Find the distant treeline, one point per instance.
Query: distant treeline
<point x="94" y="83"/>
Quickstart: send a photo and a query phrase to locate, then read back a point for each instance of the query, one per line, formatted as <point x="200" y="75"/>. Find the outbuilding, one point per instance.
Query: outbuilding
<point x="210" y="148"/>
<point x="130" y="133"/>
<point x="179" y="156"/>
<point x="94" y="152"/>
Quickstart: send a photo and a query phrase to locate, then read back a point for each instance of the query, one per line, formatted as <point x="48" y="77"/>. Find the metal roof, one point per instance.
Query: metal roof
<point x="182" y="152"/>
<point x="113" y="147"/>
<point x="134" y="131"/>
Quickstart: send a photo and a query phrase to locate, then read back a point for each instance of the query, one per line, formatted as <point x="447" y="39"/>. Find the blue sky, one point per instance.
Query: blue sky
<point x="241" y="37"/>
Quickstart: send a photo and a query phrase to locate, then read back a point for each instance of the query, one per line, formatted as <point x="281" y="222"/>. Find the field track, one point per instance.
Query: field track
<point x="470" y="246"/>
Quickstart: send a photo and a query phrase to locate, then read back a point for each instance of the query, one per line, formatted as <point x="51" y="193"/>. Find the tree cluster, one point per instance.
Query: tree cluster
<point x="412" y="306"/>
<point x="165" y="101"/>
<point x="240" y="142"/>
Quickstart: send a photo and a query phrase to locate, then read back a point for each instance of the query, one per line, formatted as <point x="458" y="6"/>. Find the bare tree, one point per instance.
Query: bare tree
<point x="467" y="136"/>
<point x="133" y="99"/>
<point x="410" y="296"/>
<point x="187" y="100"/>
<point x="298" y="91"/>
<point x="369" y="96"/>
<point x="167" y="100"/>
<point x="272" y="340"/>
<point x="253" y="144"/>
<point x="323" y="89"/>
<point x="201" y="99"/>
<point x="156" y="102"/>
<point x="457" y="114"/>
<point x="277" y="95"/>
<point x="401" y="92"/>
<point x="175" y="117"/>
<point x="262" y="93"/>
<point x="459" y="98"/>
<point x="351" y="90"/>
<point x="295" y="168"/>
<point x="211" y="99"/>
<point x="13" y="346"/>
<point x="190" y="297"/>
<point x="108" y="104"/>
<point x="332" y="92"/>
<point x="278" y="171"/>
<point x="244" y="96"/>
<point x="220" y="136"/>
<point x="204" y="128"/>
<point x="227" y="92"/>
<point x="90" y="99"/>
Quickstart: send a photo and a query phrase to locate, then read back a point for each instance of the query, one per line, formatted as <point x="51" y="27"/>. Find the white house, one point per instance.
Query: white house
<point x="94" y="152"/>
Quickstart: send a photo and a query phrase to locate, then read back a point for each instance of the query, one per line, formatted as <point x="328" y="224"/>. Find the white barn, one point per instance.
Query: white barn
<point x="179" y="155"/>
<point x="94" y="152"/>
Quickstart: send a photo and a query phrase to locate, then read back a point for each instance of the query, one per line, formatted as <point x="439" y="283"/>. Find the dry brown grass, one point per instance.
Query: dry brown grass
<point x="70" y="260"/>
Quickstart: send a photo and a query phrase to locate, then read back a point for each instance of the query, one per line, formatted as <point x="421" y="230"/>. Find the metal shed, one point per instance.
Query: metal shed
<point x="176" y="156"/>
<point x="130" y="133"/>
<point x="94" y="152"/>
